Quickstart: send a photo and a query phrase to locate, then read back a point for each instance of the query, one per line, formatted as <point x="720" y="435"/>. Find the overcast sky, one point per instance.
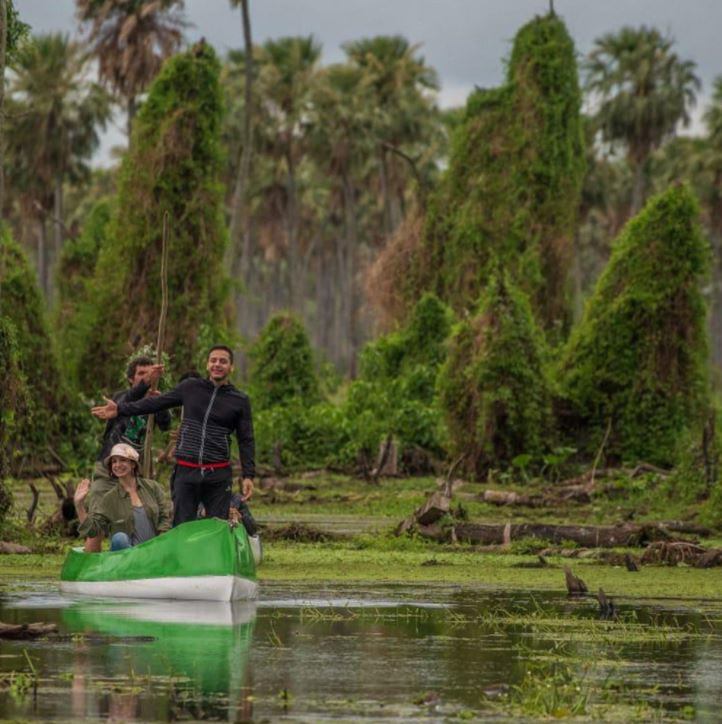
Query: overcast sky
<point x="465" y="40"/>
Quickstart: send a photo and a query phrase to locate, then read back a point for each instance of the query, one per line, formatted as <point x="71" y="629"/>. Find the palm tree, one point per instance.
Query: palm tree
<point x="644" y="91"/>
<point x="342" y="144"/>
<point x="287" y="73"/>
<point x="130" y="39"/>
<point x="399" y="81"/>
<point x="52" y="124"/>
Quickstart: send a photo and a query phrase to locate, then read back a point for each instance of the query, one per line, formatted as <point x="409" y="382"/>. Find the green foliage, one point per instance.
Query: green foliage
<point x="289" y="414"/>
<point x="282" y="364"/>
<point x="14" y="409"/>
<point x="513" y="185"/>
<point x="493" y="387"/>
<point x="395" y="393"/>
<point x="74" y="274"/>
<point x="307" y="436"/>
<point x="173" y="165"/>
<point x="637" y="361"/>
<point x="28" y="350"/>
<point x="17" y="30"/>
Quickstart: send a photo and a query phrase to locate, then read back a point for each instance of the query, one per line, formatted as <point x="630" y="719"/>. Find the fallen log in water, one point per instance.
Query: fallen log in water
<point x="26" y="630"/>
<point x="6" y="547"/>
<point x="507" y="497"/>
<point x="589" y="536"/>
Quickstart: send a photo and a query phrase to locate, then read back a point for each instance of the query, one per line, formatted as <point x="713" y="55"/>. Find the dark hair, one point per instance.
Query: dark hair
<point x="224" y="347"/>
<point x="141" y="361"/>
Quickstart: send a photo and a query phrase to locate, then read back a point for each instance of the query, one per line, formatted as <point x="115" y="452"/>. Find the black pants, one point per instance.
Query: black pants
<point x="192" y="486"/>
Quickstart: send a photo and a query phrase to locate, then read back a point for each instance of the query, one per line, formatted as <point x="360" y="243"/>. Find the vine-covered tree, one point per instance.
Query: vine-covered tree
<point x="74" y="276"/>
<point x="33" y="405"/>
<point x="493" y="387"/>
<point x="513" y="185"/>
<point x="637" y="363"/>
<point x="173" y="165"/>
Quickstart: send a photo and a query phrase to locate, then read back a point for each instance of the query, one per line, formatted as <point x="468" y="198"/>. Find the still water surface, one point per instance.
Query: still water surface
<point x="377" y="653"/>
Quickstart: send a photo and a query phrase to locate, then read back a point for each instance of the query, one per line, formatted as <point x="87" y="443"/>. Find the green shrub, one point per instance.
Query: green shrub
<point x="493" y="387"/>
<point x="308" y="436"/>
<point x="282" y="364"/>
<point x="395" y="393"/>
<point x="637" y="362"/>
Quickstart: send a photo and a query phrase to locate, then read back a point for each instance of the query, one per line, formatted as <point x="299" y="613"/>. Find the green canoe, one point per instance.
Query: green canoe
<point x="204" y="560"/>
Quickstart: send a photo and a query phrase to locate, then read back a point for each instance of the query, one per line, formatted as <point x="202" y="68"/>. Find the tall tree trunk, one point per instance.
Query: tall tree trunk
<point x="42" y="257"/>
<point x="57" y="228"/>
<point x="385" y="191"/>
<point x="578" y="298"/>
<point x="348" y="274"/>
<point x="715" y="316"/>
<point x="3" y="46"/>
<point x="239" y="256"/>
<point x="639" y="186"/>
<point x="294" y="252"/>
<point x="131" y="108"/>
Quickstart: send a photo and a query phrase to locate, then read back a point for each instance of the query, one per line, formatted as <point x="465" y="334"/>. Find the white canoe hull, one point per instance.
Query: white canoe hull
<point x="191" y="588"/>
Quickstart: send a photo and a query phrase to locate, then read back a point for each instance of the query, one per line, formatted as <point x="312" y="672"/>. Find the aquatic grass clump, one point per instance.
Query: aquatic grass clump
<point x="560" y="691"/>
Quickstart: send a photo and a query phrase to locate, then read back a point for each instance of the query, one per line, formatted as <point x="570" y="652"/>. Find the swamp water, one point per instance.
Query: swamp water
<point x="374" y="653"/>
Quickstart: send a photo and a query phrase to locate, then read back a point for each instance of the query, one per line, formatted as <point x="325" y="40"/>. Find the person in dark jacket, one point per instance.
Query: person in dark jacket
<point x="126" y="429"/>
<point x="213" y="410"/>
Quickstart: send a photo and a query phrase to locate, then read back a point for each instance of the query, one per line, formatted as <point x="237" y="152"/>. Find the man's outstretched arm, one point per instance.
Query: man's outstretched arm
<point x="146" y="406"/>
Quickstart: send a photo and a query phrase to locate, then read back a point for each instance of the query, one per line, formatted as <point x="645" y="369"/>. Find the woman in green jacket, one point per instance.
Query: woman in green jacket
<point x="135" y="510"/>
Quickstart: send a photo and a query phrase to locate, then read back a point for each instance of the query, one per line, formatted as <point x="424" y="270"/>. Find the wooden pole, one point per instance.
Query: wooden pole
<point x="148" y="445"/>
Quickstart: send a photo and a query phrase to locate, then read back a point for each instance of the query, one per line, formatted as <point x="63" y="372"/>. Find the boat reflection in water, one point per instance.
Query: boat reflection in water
<point x="160" y="659"/>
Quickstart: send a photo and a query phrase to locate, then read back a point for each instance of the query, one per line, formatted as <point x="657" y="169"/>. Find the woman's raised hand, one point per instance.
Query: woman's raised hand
<point x="81" y="492"/>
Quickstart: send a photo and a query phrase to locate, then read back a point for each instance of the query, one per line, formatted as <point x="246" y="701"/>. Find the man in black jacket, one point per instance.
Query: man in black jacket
<point x="126" y="429"/>
<point x="213" y="409"/>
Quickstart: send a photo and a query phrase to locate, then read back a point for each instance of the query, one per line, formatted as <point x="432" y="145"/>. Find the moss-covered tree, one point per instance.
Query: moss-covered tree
<point x="636" y="364"/>
<point x="513" y="185"/>
<point x="14" y="409"/>
<point x="493" y="387"/>
<point x="173" y="165"/>
<point x="75" y="272"/>
<point x="33" y="403"/>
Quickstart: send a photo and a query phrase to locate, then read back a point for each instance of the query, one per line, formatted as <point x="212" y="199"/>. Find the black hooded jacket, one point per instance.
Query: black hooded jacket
<point x="211" y="415"/>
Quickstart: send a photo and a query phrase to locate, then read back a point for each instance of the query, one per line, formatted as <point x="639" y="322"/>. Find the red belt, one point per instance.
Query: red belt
<point x="207" y="466"/>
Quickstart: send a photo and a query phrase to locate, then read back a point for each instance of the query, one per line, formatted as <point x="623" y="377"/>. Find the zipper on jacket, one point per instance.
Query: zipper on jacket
<point x="205" y="424"/>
